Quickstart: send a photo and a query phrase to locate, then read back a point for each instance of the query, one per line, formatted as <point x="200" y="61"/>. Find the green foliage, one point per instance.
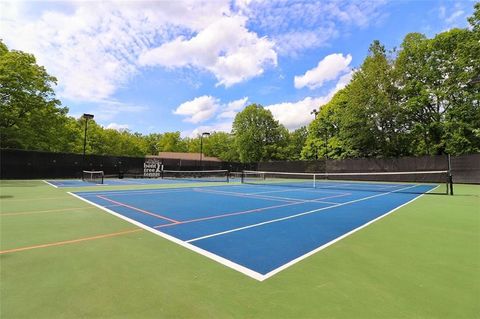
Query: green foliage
<point x="417" y="101"/>
<point x="171" y="142"/>
<point x="258" y="136"/>
<point x="30" y="112"/>
<point x="219" y="144"/>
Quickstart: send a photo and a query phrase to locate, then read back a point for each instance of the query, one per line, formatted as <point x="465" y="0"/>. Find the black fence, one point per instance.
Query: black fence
<point x="21" y="164"/>
<point x="464" y="168"/>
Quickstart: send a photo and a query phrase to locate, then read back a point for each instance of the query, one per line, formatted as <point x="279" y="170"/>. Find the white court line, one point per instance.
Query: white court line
<point x="219" y="259"/>
<point x="276" y="198"/>
<point x="310" y="253"/>
<point x="226" y="193"/>
<point x="306" y="190"/>
<point x="292" y="216"/>
<point x="50" y="184"/>
<point x="244" y="270"/>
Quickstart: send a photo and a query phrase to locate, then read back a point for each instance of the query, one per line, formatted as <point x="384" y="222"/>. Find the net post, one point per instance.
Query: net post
<point x="450" y="177"/>
<point x="314" y="180"/>
<point x="242" y="177"/>
<point x="228" y="176"/>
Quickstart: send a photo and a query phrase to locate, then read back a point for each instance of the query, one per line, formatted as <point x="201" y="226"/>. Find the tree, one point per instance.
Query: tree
<point x="441" y="105"/>
<point x="221" y="145"/>
<point x="295" y="142"/>
<point x="171" y="142"/>
<point x="30" y="112"/>
<point x="258" y="136"/>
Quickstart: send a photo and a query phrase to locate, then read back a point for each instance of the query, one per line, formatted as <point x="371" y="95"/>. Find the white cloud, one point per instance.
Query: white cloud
<point x="329" y="68"/>
<point x="107" y="110"/>
<point x="118" y="127"/>
<point x="225" y="47"/>
<point x="199" y="109"/>
<point x="219" y="127"/>
<point x="294" y="42"/>
<point x="296" y="114"/>
<point x="316" y="22"/>
<point x="232" y="108"/>
<point x="93" y="47"/>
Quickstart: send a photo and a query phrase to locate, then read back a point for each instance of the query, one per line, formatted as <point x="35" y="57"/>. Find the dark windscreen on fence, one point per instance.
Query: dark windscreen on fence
<point x="22" y="164"/>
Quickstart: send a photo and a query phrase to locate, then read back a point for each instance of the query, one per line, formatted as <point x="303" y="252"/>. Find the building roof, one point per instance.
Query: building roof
<point x="184" y="156"/>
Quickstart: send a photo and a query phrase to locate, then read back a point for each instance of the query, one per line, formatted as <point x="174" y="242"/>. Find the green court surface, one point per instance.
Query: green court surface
<point x="422" y="261"/>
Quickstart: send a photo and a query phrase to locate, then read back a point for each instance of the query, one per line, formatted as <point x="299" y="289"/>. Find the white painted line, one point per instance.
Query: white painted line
<point x="50" y="184"/>
<point x="292" y="216"/>
<point x="296" y="260"/>
<point x="219" y="259"/>
<point x="244" y="270"/>
<point x="264" y="197"/>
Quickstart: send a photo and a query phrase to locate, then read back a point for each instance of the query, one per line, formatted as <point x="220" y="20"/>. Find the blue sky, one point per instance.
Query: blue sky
<point x="190" y="66"/>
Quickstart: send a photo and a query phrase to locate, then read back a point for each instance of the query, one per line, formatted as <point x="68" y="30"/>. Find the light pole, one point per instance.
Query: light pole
<point x="201" y="147"/>
<point x="86" y="117"/>
<point x="314" y="111"/>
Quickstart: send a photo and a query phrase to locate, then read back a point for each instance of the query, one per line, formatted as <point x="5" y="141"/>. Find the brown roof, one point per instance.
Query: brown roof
<point x="184" y="156"/>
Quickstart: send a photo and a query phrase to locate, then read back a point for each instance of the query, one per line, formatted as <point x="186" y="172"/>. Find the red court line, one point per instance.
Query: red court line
<point x="138" y="209"/>
<point x="243" y="212"/>
<point x="66" y="242"/>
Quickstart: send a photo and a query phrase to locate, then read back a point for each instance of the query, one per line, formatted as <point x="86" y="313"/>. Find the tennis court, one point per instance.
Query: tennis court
<point x="262" y="228"/>
<point x="193" y="251"/>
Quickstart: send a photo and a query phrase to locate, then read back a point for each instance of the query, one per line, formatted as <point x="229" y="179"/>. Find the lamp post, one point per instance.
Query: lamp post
<point x="315" y="112"/>
<point x="201" y="147"/>
<point x="86" y="117"/>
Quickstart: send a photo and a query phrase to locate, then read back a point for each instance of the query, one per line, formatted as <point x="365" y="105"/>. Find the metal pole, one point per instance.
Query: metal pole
<point x="201" y="150"/>
<point x="326" y="144"/>
<point x="85" y="142"/>
<point x="201" y="147"/>
<point x="86" y="117"/>
<point x="450" y="177"/>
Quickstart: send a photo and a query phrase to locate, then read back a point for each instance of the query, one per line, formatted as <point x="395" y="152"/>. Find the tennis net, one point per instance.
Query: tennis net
<point x="435" y="182"/>
<point x="95" y="177"/>
<point x="201" y="176"/>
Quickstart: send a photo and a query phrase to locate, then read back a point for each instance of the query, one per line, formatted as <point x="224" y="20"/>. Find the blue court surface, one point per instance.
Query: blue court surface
<point x="258" y="230"/>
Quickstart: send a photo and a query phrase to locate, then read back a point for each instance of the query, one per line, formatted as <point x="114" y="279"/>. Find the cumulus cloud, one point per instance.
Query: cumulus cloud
<point x="93" y="48"/>
<point x="118" y="127"/>
<point x="329" y="68"/>
<point x="231" y="109"/>
<point x="225" y="47"/>
<point x="296" y="114"/>
<point x="199" y="109"/>
<point x="218" y="127"/>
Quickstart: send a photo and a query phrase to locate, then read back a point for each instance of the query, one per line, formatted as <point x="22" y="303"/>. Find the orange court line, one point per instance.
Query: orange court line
<point x="66" y="242"/>
<point x="138" y="209"/>
<point x="30" y="199"/>
<point x="50" y="210"/>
